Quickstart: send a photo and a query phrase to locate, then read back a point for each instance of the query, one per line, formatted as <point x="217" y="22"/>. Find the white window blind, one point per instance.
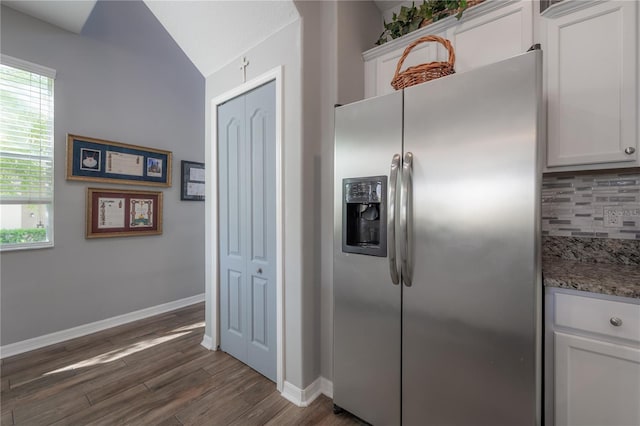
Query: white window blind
<point x="26" y="136"/>
<point x="26" y="155"/>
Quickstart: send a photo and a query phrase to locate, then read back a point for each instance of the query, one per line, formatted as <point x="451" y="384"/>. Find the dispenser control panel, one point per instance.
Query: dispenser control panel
<point x="364" y="216"/>
<point x="363" y="192"/>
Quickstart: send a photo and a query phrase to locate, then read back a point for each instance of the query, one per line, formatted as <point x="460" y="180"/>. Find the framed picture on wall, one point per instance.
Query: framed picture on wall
<point x="98" y="160"/>
<point x="193" y="179"/>
<point x="123" y="213"/>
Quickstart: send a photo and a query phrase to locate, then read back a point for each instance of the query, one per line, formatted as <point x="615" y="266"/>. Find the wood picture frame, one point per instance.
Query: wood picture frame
<point x="123" y="213"/>
<point x="97" y="160"/>
<point x="192" y="181"/>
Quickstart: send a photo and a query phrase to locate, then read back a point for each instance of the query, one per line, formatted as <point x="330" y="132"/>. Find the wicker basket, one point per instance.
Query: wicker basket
<point x="423" y="72"/>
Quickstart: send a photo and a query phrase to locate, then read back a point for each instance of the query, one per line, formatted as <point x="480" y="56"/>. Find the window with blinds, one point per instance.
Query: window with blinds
<point x="26" y="155"/>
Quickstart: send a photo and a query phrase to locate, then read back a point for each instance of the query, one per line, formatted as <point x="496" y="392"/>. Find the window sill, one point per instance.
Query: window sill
<point x="26" y="246"/>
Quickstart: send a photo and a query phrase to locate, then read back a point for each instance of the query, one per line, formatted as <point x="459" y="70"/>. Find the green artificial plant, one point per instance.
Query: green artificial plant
<point x="411" y="18"/>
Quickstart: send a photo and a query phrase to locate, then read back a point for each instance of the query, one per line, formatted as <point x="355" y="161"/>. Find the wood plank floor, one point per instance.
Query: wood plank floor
<point x="151" y="372"/>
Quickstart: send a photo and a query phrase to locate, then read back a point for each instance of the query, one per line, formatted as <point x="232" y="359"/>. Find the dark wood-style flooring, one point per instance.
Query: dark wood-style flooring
<point x="150" y="372"/>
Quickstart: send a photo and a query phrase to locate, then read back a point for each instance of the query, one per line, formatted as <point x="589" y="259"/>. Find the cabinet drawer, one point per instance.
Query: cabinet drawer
<point x="598" y="316"/>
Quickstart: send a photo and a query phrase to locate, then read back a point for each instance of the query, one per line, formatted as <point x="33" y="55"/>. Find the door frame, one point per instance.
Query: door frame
<point x="212" y="274"/>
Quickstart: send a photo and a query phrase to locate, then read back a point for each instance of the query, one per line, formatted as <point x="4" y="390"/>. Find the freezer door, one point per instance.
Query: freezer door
<point x="366" y="368"/>
<point x="471" y="315"/>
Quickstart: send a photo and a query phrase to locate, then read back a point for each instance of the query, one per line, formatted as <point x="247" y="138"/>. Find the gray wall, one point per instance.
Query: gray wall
<point x="354" y="29"/>
<point x="334" y="35"/>
<point x="333" y="38"/>
<point x="124" y="80"/>
<point x="317" y="55"/>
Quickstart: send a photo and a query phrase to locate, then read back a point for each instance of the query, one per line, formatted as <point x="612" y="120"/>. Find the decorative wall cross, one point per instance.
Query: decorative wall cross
<point x="243" y="66"/>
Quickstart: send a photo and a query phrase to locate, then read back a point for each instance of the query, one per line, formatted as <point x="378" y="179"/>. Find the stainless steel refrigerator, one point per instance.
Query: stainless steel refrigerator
<point x="437" y="282"/>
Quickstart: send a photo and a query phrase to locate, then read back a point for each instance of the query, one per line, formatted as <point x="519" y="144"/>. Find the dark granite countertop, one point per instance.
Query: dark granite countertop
<point x="604" y="278"/>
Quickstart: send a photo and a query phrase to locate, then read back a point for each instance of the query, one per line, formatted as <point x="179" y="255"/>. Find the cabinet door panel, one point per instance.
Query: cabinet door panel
<point x="493" y="37"/>
<point x="597" y="383"/>
<point x="592" y="85"/>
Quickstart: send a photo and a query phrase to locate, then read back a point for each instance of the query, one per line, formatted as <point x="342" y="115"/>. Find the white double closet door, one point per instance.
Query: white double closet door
<point x="247" y="220"/>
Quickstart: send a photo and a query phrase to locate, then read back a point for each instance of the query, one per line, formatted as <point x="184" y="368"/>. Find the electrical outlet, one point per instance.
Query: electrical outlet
<point x="615" y="216"/>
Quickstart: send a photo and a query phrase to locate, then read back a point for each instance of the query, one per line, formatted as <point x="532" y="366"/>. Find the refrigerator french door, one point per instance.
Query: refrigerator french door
<point x="437" y="284"/>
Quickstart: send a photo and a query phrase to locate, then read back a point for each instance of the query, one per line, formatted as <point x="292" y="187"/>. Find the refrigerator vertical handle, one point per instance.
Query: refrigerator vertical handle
<point x="405" y="207"/>
<point x="391" y="219"/>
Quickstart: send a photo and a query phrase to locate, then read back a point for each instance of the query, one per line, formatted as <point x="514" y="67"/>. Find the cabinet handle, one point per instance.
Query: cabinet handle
<point x="629" y="150"/>
<point x="615" y="321"/>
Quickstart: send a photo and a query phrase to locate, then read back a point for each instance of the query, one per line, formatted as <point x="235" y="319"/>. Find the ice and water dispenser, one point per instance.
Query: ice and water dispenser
<point x="364" y="215"/>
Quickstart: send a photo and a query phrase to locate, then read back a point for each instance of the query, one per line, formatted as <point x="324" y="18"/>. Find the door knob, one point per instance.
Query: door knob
<point x="259" y="270"/>
<point x="629" y="150"/>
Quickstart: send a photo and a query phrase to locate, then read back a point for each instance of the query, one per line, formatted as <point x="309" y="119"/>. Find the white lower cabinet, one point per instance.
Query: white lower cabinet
<point x="593" y="365"/>
<point x="597" y="382"/>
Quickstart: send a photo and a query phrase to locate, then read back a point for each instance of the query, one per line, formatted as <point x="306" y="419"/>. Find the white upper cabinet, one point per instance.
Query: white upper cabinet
<point x="591" y="70"/>
<point x="492" y="37"/>
<point x="591" y="53"/>
<point x="487" y="33"/>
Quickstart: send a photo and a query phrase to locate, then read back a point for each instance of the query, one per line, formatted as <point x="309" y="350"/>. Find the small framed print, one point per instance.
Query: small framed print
<point x="154" y="167"/>
<point x="141" y="213"/>
<point x="193" y="181"/>
<point x="98" y="160"/>
<point x="90" y="159"/>
<point x="123" y="213"/>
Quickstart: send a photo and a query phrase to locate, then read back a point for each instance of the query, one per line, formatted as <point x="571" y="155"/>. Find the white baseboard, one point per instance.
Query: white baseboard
<point x="82" y="330"/>
<point x="304" y="397"/>
<point x="326" y="387"/>
<point x="207" y="342"/>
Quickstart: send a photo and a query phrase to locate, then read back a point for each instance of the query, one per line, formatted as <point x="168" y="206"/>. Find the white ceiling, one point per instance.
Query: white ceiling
<point x="70" y="15"/>
<point x="210" y="32"/>
<point x="218" y="31"/>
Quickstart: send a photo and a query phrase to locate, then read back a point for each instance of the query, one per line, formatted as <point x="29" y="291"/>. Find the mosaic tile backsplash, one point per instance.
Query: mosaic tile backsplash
<point x="593" y="205"/>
